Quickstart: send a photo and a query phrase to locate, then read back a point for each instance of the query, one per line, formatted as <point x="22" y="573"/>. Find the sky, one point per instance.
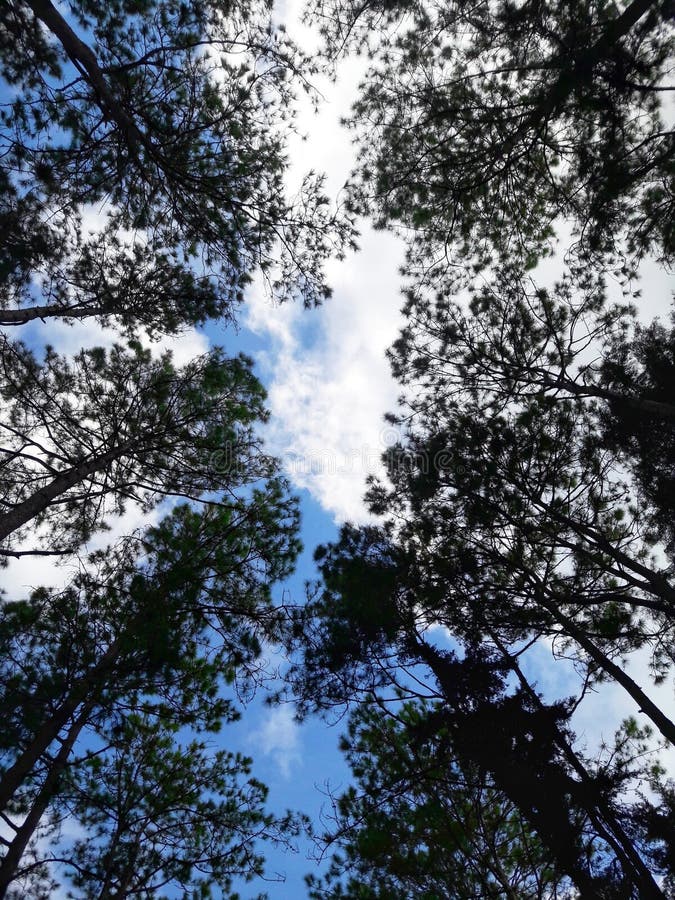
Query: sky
<point x="329" y="387"/>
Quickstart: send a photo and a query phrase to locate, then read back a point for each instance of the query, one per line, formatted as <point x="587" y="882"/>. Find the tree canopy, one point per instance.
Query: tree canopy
<point x="524" y="152"/>
<point x="98" y="679"/>
<point x="175" y="117"/>
<point x="143" y="182"/>
<point x="419" y="824"/>
<point x="83" y="437"/>
<point x="482" y="126"/>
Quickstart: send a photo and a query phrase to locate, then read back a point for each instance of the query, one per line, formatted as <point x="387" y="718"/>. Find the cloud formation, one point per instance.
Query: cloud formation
<point x="328" y="380"/>
<point x="279" y="738"/>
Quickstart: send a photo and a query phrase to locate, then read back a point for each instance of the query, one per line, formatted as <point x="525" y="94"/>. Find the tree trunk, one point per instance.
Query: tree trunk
<point x="654" y="582"/>
<point x="10" y="863"/>
<point x="601" y="814"/>
<point x="29" y="313"/>
<point x="562" y="840"/>
<point x="39" y="501"/>
<point x="48" y="732"/>
<point x="612" y="32"/>
<point x="85" y="61"/>
<point x="124" y="882"/>
<point x="647" y="706"/>
<point x="650" y="408"/>
<point x="619" y="27"/>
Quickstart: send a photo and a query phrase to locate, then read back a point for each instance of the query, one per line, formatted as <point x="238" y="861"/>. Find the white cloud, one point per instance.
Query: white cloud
<point x="279" y="738"/>
<point x="70" y="338"/>
<point x="67" y="338"/>
<point x="328" y="380"/>
<point x="27" y="573"/>
<point x="184" y="346"/>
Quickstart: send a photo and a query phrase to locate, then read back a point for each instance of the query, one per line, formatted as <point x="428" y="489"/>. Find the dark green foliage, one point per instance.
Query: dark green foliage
<point x="126" y="284"/>
<point x="658" y="820"/>
<point x="175" y="116"/>
<point x="480" y="125"/>
<point x="161" y="815"/>
<point x="510" y="519"/>
<point x="527" y="503"/>
<point x="573" y="806"/>
<point x="28" y="241"/>
<point x="420" y="825"/>
<point x="99" y="677"/>
<point x="520" y="342"/>
<point x="82" y="437"/>
<point x="645" y="367"/>
<point x="143" y="182"/>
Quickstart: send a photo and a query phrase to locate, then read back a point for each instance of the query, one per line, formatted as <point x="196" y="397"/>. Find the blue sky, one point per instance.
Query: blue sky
<point x="299" y="763"/>
<point x="329" y="386"/>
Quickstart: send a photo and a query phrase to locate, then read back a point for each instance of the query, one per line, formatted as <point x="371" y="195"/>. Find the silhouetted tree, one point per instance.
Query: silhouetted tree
<point x="152" y="628"/>
<point x="480" y="126"/>
<point x="369" y="637"/>
<point x="420" y="824"/>
<point x="82" y="437"/>
<point x="174" y="115"/>
<point x="125" y="284"/>
<point x="162" y="815"/>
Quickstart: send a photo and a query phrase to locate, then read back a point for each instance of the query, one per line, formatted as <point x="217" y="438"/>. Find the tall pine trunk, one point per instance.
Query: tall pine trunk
<point x="599" y="810"/>
<point x="665" y="725"/>
<point x="10" y="863"/>
<point x="39" y="501"/>
<point x="84" y="690"/>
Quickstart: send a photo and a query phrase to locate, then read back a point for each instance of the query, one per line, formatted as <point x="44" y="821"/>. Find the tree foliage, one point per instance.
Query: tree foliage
<point x="370" y="638"/>
<point x="161" y="815"/>
<point x="174" y="116"/>
<point x="122" y="283"/>
<point x="84" y="436"/>
<point x="527" y="503"/>
<point x="99" y="677"/>
<point x="644" y="367"/>
<point x="510" y="521"/>
<point x="419" y="824"/>
<point x="480" y="125"/>
<point x="143" y="181"/>
<point x="527" y="506"/>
